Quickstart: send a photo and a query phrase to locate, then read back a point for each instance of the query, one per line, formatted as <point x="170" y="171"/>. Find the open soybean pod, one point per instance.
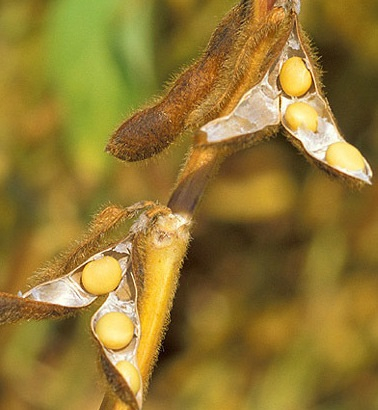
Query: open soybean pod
<point x="314" y="131"/>
<point x="98" y="275"/>
<point x="60" y="297"/>
<point x="290" y="94"/>
<point x="116" y="327"/>
<point x="131" y="323"/>
<point x="93" y="268"/>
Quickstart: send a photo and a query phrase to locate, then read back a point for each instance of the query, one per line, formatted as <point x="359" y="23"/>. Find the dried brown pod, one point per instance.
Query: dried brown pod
<point x="238" y="52"/>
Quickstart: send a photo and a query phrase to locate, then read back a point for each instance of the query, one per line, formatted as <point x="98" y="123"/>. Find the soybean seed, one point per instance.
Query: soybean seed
<point x="115" y="330"/>
<point x="101" y="276"/>
<point x="295" y="78"/>
<point x="130" y="374"/>
<point x="301" y="115"/>
<point x="346" y="156"/>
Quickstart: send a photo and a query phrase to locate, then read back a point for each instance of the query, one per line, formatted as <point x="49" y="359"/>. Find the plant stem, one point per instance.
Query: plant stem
<point x="202" y="163"/>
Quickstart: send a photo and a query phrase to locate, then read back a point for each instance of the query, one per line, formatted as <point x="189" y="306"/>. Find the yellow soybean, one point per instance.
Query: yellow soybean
<point x="130" y="374"/>
<point x="301" y="115"/>
<point x="346" y="156"/>
<point x="101" y="276"/>
<point x="295" y="78"/>
<point x="115" y="330"/>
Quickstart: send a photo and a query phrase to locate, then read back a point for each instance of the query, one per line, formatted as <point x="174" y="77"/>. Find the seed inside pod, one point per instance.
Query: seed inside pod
<point x="115" y="330"/>
<point x="101" y="276"/>
<point x="130" y="374"/>
<point x="346" y="156"/>
<point x="301" y="115"/>
<point x="295" y="78"/>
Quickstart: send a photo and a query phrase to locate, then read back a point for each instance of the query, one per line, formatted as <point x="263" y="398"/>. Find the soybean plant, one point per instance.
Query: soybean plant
<point x="257" y="75"/>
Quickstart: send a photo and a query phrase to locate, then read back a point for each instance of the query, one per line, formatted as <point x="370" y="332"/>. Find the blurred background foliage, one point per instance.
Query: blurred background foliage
<point x="278" y="303"/>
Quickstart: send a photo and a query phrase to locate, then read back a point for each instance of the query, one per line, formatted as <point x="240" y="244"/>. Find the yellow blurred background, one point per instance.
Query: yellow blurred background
<point x="278" y="303"/>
